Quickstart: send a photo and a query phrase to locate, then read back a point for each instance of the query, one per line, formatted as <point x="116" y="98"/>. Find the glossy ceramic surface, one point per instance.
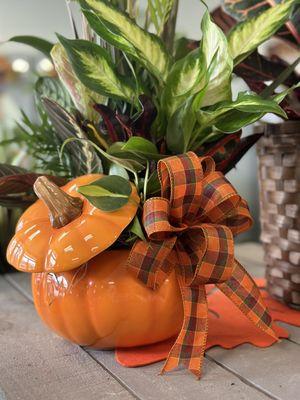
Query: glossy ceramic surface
<point x="101" y="305"/>
<point x="37" y="247"/>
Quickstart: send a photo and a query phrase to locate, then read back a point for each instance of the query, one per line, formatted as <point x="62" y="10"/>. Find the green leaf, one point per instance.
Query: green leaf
<point x="159" y="12"/>
<point x="84" y="158"/>
<point x="145" y="47"/>
<point x="204" y="72"/>
<point x="180" y="128"/>
<point x="115" y="169"/>
<point x="130" y="165"/>
<point x="281" y="96"/>
<point x="53" y="89"/>
<point x="142" y="148"/>
<point x="153" y="185"/>
<point x="37" y="43"/>
<point x="96" y="70"/>
<point x="109" y="193"/>
<point x="214" y="48"/>
<point x="280" y="79"/>
<point x="82" y="97"/>
<point x="221" y="114"/>
<point x="186" y="78"/>
<point x="136" y="229"/>
<point x="246" y="36"/>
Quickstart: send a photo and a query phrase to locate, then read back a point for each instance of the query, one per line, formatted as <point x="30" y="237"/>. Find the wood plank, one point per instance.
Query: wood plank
<point x="276" y="369"/>
<point x="294" y="332"/>
<point x="36" y="363"/>
<point x="252" y="257"/>
<point x="215" y="383"/>
<point x="146" y="384"/>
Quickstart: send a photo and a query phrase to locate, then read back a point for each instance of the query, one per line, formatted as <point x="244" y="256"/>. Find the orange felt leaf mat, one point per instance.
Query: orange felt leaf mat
<point x="227" y="327"/>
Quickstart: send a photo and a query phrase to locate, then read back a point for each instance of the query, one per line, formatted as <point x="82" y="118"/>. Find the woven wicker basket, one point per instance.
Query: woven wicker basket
<point x="279" y="176"/>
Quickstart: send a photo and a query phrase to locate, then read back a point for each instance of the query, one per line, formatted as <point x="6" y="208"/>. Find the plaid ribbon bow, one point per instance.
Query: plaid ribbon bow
<point x="191" y="228"/>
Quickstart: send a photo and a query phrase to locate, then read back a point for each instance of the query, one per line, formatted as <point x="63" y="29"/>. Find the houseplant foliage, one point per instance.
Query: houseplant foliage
<point x="258" y="70"/>
<point x="145" y="117"/>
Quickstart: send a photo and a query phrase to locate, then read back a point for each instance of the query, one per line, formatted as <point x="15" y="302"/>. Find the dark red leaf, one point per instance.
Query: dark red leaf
<point x="111" y="123"/>
<point x="234" y="157"/>
<point x="22" y="183"/>
<point x="142" y="125"/>
<point x="223" y="20"/>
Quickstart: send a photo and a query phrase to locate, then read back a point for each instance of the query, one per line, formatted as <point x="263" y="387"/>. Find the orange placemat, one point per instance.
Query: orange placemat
<point x="227" y="327"/>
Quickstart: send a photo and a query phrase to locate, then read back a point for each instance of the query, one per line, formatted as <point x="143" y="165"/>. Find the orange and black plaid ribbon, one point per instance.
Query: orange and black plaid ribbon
<point x="191" y="228"/>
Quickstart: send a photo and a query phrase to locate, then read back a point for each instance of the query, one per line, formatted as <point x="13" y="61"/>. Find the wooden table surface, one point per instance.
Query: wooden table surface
<point x="36" y="364"/>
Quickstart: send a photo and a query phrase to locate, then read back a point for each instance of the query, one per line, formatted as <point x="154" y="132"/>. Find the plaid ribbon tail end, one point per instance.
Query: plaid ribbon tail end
<point x="244" y="293"/>
<point x="190" y="344"/>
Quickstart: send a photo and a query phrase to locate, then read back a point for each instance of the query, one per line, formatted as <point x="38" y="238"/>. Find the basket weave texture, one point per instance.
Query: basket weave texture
<point x="279" y="178"/>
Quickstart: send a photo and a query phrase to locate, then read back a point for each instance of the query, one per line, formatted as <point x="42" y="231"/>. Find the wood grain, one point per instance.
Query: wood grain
<point x="244" y="373"/>
<point x="37" y="364"/>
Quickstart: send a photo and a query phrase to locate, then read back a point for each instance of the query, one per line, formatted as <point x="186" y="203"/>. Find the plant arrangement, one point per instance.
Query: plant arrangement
<point x="258" y="70"/>
<point x="143" y="130"/>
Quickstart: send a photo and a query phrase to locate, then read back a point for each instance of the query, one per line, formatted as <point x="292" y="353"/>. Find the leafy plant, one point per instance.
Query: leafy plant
<point x="135" y="97"/>
<point x="256" y="69"/>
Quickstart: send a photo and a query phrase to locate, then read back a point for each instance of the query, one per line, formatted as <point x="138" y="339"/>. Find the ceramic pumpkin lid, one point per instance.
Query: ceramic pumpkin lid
<point x="63" y="230"/>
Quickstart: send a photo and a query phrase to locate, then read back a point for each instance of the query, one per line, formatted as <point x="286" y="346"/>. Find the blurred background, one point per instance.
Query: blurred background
<point x="20" y="65"/>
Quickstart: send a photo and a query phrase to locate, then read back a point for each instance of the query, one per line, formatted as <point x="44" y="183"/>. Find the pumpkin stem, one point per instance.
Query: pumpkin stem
<point x="63" y="208"/>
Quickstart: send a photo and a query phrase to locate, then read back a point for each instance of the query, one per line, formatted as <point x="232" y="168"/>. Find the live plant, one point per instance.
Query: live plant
<point x="129" y="94"/>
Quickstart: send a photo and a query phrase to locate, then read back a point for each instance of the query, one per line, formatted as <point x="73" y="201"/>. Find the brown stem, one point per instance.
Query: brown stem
<point x="63" y="208"/>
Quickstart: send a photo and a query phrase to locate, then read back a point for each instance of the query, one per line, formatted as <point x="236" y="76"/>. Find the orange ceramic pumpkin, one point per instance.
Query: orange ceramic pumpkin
<point x="89" y="299"/>
<point x="101" y="305"/>
<point x="73" y="232"/>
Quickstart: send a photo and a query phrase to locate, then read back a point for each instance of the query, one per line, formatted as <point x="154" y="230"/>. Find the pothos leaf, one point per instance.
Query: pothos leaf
<point x="246" y="36"/>
<point x="142" y="147"/>
<point x="109" y="193"/>
<point x="96" y="70"/>
<point x="145" y="47"/>
<point x="37" y="43"/>
<point x="82" y="97"/>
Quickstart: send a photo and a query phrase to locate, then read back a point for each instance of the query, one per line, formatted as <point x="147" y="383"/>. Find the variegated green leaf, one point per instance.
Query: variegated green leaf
<point x="247" y="35"/>
<point x="144" y="46"/>
<point x="82" y="97"/>
<point x="159" y="12"/>
<point x="96" y="70"/>
<point x="214" y="48"/>
<point x="204" y="72"/>
<point x="246" y="102"/>
<point x="232" y="116"/>
<point x="186" y="78"/>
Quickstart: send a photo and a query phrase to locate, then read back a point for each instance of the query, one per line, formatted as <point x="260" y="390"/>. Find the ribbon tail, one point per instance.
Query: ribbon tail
<point x="241" y="289"/>
<point x="190" y="344"/>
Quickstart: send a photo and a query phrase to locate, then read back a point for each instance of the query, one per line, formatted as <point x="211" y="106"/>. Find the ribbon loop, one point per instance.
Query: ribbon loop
<point x="190" y="229"/>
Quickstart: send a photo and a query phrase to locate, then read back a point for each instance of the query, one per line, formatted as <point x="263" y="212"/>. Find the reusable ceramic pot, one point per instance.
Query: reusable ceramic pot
<point x="100" y="305"/>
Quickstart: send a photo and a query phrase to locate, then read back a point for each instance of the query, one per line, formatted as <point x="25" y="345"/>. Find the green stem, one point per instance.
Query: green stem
<point x="146" y="182"/>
